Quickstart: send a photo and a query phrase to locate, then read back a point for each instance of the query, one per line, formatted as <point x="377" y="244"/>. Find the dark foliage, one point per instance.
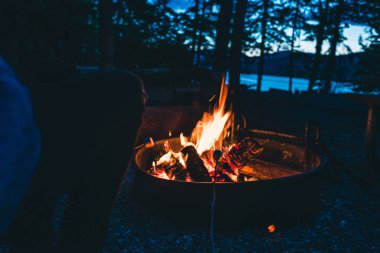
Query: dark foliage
<point x="154" y="34"/>
<point x="369" y="71"/>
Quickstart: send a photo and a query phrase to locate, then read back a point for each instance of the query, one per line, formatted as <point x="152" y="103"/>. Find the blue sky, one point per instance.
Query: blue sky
<point x="352" y="33"/>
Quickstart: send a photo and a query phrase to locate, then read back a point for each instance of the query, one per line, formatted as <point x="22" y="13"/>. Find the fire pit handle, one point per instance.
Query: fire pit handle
<point x="243" y="121"/>
<point x="309" y="127"/>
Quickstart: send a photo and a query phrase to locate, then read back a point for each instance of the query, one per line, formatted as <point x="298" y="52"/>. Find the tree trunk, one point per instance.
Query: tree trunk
<point x="201" y="30"/>
<point x="291" y="59"/>
<point x="195" y="28"/>
<point x="106" y="34"/>
<point x="235" y="56"/>
<point x="236" y="45"/>
<point x="222" y="39"/>
<point x="318" y="48"/>
<point x="331" y="62"/>
<point x="262" y="44"/>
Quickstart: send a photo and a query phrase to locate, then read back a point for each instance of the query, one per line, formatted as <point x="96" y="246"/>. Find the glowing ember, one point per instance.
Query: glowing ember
<point x="161" y="174"/>
<point x="150" y="143"/>
<point x="271" y="228"/>
<point x="170" y="166"/>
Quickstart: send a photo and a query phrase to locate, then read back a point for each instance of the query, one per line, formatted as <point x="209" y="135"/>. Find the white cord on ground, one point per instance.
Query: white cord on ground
<point x="212" y="218"/>
<point x="217" y="155"/>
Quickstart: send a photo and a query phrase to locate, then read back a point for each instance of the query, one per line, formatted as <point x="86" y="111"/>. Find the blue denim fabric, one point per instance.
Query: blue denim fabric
<point x="19" y="144"/>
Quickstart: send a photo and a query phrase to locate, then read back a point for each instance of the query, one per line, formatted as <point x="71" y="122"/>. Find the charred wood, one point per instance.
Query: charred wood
<point x="172" y="168"/>
<point x="244" y="152"/>
<point x="195" y="165"/>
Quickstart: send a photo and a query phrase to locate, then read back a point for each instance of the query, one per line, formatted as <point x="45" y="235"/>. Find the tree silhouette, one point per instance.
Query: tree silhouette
<point x="209" y="33"/>
<point x="236" y="44"/>
<point x="294" y="24"/>
<point x="334" y="40"/>
<point x="368" y="74"/>
<point x="318" y="33"/>
<point x="195" y="29"/>
<point x="262" y="43"/>
<point x="222" y="38"/>
<point x="202" y="26"/>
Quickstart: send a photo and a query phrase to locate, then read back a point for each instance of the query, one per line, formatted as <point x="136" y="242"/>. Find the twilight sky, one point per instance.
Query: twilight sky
<point x="352" y="33"/>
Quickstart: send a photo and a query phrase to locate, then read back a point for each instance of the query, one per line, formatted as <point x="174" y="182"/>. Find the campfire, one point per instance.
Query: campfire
<point x="212" y="154"/>
<point x="256" y="173"/>
<point x="230" y="164"/>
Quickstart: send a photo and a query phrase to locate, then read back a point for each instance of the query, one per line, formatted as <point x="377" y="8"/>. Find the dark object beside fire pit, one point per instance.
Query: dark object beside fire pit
<point x="288" y="188"/>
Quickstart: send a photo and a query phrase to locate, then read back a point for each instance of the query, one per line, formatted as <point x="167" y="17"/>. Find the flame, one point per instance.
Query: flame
<point x="207" y="136"/>
<point x="161" y="174"/>
<point x="150" y="143"/>
<point x="184" y="141"/>
<point x="167" y="158"/>
<point x="212" y="128"/>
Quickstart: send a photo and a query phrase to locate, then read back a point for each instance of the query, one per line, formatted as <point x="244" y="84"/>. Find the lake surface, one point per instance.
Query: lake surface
<point x="282" y="83"/>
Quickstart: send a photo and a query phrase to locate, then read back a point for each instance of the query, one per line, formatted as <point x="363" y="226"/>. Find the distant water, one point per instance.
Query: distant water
<point x="282" y="83"/>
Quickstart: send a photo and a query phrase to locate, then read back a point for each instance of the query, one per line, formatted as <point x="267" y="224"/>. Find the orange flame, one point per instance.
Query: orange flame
<point x="212" y="128"/>
<point x="208" y="135"/>
<point x="150" y="143"/>
<point x="168" y="156"/>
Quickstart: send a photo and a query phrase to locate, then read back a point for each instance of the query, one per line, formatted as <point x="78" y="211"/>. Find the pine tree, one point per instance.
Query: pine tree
<point x="222" y="39"/>
<point x="236" y="44"/>
<point x="319" y="34"/>
<point x="262" y="43"/>
<point x="294" y="24"/>
<point x="335" y="38"/>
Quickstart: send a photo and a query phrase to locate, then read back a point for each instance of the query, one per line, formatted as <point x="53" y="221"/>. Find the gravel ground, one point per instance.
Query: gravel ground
<point x="348" y="222"/>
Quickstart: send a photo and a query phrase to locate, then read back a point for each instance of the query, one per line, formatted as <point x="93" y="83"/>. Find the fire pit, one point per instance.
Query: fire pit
<point x="285" y="190"/>
<point x="252" y="175"/>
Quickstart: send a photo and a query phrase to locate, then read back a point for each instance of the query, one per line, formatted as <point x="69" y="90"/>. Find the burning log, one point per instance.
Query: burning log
<point x="195" y="165"/>
<point x="244" y="152"/>
<point x="223" y="172"/>
<point x="170" y="166"/>
<point x="176" y="170"/>
<point x="231" y="166"/>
